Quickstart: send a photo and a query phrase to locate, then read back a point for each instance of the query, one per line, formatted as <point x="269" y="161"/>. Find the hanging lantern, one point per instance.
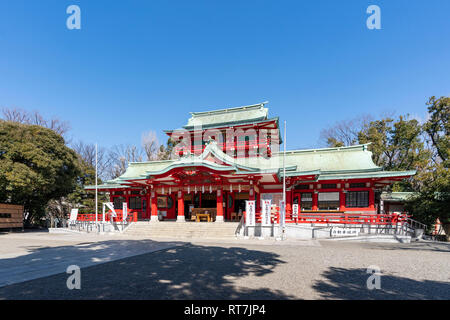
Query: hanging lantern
<point x="170" y="190"/>
<point x="162" y="190"/>
<point x="189" y="189"/>
<point x="210" y="189"/>
<point x="195" y="189"/>
<point x="239" y="188"/>
<point x="203" y="189"/>
<point x="231" y="188"/>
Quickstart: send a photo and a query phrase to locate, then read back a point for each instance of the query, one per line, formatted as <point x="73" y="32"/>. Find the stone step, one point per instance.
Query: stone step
<point x="183" y="230"/>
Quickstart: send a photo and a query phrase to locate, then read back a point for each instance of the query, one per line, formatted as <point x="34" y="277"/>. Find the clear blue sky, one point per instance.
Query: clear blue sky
<point x="143" y="65"/>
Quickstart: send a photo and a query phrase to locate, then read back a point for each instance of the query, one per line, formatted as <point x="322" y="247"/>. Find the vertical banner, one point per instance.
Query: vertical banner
<point x="73" y="215"/>
<point x="250" y="213"/>
<point x="266" y="207"/>
<point x="295" y="211"/>
<point x="124" y="211"/>
<point x="282" y="213"/>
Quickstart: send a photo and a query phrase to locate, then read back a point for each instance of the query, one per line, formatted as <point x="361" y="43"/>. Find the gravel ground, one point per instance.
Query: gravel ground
<point x="257" y="270"/>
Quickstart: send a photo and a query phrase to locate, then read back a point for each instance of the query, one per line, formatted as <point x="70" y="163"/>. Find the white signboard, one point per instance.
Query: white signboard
<point x="124" y="211"/>
<point x="295" y="211"/>
<point x="266" y="206"/>
<point x="341" y="232"/>
<point x="282" y="214"/>
<point x="73" y="215"/>
<point x="250" y="213"/>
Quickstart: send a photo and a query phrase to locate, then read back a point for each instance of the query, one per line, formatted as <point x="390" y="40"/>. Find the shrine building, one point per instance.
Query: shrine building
<point x="224" y="157"/>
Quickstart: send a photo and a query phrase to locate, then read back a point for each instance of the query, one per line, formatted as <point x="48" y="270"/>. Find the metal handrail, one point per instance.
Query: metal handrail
<point x="240" y="225"/>
<point x="416" y="224"/>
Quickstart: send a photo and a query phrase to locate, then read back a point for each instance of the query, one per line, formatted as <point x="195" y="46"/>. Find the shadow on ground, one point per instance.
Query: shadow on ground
<point x="420" y="246"/>
<point x="183" y="272"/>
<point x="350" y="284"/>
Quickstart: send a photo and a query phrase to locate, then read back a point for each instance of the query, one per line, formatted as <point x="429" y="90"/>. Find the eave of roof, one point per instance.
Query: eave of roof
<point x="366" y="174"/>
<point x="362" y="147"/>
<point x="224" y="125"/>
<point x="397" y="196"/>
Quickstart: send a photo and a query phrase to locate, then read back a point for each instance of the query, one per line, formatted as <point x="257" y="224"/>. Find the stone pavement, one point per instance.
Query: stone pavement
<point x="32" y="255"/>
<point x="228" y="270"/>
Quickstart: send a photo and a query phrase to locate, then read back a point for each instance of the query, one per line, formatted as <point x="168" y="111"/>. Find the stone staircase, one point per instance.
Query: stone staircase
<point x="178" y="230"/>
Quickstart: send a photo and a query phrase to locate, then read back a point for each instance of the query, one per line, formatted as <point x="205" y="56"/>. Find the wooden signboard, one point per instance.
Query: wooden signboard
<point x="11" y="216"/>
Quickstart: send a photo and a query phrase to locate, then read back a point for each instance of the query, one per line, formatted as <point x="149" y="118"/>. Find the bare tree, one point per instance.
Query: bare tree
<point x="150" y="145"/>
<point x="35" y="118"/>
<point x="345" y="132"/>
<point x="120" y="156"/>
<point x="87" y="154"/>
<point x="15" y="115"/>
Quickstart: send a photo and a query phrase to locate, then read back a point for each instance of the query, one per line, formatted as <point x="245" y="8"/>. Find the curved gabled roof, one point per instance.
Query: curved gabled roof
<point x="354" y="162"/>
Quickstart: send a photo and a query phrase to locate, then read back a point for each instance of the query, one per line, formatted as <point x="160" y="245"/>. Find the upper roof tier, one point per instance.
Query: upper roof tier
<point x="230" y="116"/>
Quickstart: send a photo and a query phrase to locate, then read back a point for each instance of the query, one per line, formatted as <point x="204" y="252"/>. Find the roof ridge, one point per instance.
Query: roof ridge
<point x="151" y="161"/>
<point x="224" y="110"/>
<point x="357" y="146"/>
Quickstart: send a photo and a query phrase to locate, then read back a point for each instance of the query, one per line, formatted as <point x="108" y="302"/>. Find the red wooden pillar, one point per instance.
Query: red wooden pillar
<point x="219" y="213"/>
<point x="371" y="199"/>
<point x="315" y="201"/>
<point x="341" y="201"/>
<point x="148" y="206"/>
<point x="288" y="203"/>
<point x="180" y="217"/>
<point x="154" y="217"/>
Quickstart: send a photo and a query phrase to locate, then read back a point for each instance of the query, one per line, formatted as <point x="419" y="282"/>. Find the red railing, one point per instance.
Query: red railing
<point x="132" y="217"/>
<point x="336" y="218"/>
<point x="348" y="218"/>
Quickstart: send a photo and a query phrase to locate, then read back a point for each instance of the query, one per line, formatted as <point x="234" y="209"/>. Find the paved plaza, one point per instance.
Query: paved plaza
<point x="33" y="266"/>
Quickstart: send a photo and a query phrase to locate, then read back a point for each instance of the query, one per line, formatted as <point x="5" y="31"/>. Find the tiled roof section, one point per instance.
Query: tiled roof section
<point x="244" y="114"/>
<point x="331" y="160"/>
<point x="397" y="196"/>
<point x="352" y="162"/>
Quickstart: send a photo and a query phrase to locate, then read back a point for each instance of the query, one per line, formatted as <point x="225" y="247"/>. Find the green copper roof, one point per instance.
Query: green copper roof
<point x="353" y="162"/>
<point x="397" y="196"/>
<point x="251" y="113"/>
<point x="353" y="158"/>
